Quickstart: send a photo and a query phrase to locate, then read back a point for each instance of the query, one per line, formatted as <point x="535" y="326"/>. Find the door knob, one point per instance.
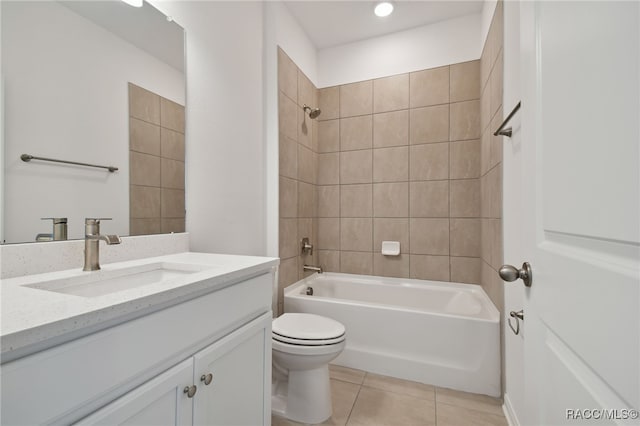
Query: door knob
<point x="190" y="390"/>
<point x="206" y="378"/>
<point x="511" y="273"/>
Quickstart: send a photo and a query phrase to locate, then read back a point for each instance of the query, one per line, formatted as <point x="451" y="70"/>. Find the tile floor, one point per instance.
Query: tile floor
<point x="367" y="399"/>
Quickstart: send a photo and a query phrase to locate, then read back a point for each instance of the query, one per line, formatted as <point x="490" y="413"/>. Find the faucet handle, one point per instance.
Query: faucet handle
<point x="55" y="219"/>
<point x="95" y="220"/>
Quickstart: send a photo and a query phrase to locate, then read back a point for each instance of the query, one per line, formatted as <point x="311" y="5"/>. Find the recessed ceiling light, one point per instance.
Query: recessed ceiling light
<point x="383" y="9"/>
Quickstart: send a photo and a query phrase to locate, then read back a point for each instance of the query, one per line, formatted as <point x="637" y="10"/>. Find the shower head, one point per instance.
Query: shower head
<point x="313" y="112"/>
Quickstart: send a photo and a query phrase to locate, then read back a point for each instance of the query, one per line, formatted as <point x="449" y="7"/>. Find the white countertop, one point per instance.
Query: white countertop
<point x="33" y="319"/>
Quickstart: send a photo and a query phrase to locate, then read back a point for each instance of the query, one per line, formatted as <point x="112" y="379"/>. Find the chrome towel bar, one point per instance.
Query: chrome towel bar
<point x="28" y="157"/>
<point x="508" y="131"/>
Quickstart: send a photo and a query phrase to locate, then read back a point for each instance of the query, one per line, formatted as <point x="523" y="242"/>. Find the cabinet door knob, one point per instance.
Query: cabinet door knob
<point x="190" y="390"/>
<point x="206" y="378"/>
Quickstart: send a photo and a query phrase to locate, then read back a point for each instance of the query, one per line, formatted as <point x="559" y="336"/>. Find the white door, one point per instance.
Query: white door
<point x="234" y="378"/>
<point x="160" y="401"/>
<point x="580" y="142"/>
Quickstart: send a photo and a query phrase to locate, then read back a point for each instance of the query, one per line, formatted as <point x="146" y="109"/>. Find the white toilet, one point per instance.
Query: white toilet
<point x="303" y="346"/>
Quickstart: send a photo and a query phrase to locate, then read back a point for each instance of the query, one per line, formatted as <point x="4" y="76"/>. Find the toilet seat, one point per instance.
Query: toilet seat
<point x="307" y="330"/>
<point x="310" y="351"/>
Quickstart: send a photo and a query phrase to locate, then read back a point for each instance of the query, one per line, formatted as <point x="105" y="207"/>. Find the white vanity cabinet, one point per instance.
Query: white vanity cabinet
<point x="227" y="380"/>
<point x="136" y="371"/>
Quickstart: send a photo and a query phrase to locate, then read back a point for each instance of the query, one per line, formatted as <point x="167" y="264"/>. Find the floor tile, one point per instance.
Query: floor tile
<point x="281" y="421"/>
<point x="343" y="397"/>
<point x="451" y="415"/>
<point x="469" y="400"/>
<point x="346" y="374"/>
<point x="405" y="387"/>
<point x="374" y="407"/>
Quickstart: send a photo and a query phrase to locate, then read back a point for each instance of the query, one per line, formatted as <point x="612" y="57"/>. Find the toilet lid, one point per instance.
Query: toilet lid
<point x="307" y="327"/>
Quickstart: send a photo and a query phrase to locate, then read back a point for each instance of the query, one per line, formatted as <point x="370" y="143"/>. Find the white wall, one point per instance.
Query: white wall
<point x="280" y="29"/>
<point x="513" y="213"/>
<point x="429" y="46"/>
<point x="74" y="108"/>
<point x="486" y="16"/>
<point x="225" y="154"/>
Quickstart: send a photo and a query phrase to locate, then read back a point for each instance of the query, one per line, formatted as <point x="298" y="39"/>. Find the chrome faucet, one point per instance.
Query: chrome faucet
<point x="317" y="269"/>
<point x="92" y="239"/>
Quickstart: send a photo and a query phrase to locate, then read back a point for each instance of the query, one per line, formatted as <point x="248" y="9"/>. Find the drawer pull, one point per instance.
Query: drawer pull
<point x="190" y="390"/>
<point x="206" y="378"/>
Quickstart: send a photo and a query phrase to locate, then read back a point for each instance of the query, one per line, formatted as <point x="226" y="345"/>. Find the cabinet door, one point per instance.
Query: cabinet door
<point x="240" y="390"/>
<point x="160" y="401"/>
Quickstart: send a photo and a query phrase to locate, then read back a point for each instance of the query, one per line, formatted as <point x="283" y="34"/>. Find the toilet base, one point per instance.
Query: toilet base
<point x="305" y="397"/>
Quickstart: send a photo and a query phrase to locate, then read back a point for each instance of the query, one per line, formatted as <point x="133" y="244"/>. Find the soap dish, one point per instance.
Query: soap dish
<point x="391" y="248"/>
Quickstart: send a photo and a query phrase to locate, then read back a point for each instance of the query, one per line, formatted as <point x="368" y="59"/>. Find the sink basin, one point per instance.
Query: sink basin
<point x="100" y="283"/>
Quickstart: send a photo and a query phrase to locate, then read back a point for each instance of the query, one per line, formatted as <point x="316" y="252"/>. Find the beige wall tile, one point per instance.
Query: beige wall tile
<point x="356" y="99"/>
<point x="329" y="103"/>
<point x="391" y="93"/>
<point x="496" y="85"/>
<point x="307" y="200"/>
<point x="171" y="115"/>
<point x="391" y="266"/>
<point x="144" y="202"/>
<point x="356" y="234"/>
<point x="464" y="198"/>
<point x="429" y="87"/>
<point x="172" y="144"/>
<point x="306" y="91"/>
<point x="287" y="275"/>
<point x="288" y="197"/>
<point x="429" y="162"/>
<point x="391" y="129"/>
<point x="429" y="236"/>
<point x="495" y="149"/>
<point x="486" y="240"/>
<point x="356" y="166"/>
<point x="465" y="270"/>
<point x="288" y="157"/>
<point x="172" y="173"/>
<point x="329" y="201"/>
<point x="356" y="133"/>
<point x="429" y="198"/>
<point x="485" y="106"/>
<point x="449" y="415"/>
<point x="428" y="125"/>
<point x="495" y="259"/>
<point x="492" y="285"/>
<point x="465" y="120"/>
<point x="144" y="169"/>
<point x="287" y="75"/>
<point x="145" y="226"/>
<point x="287" y="117"/>
<point x="391" y="229"/>
<point x="498" y="26"/>
<point x="391" y="164"/>
<point x="465" y="81"/>
<point x="143" y="104"/>
<point x="464" y="159"/>
<point x="305" y="129"/>
<point x="465" y="237"/>
<point x="356" y="200"/>
<point x="375" y="407"/>
<point x="391" y="199"/>
<point x="434" y="268"/>
<point x="329" y="136"/>
<point x="307" y="165"/>
<point x="329" y="169"/>
<point x="328" y="233"/>
<point x="144" y="137"/>
<point x="485" y="151"/>
<point x="172" y="203"/>
<point x="355" y="262"/>
<point x="169" y="225"/>
<point x="494" y="186"/>
<point x="329" y="260"/>
<point x="288" y="240"/>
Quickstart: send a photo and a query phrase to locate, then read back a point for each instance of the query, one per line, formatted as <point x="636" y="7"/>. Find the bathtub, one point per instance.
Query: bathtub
<point x="444" y="334"/>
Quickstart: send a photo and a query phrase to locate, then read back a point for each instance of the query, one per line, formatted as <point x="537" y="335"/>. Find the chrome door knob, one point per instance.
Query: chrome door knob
<point x="511" y="273"/>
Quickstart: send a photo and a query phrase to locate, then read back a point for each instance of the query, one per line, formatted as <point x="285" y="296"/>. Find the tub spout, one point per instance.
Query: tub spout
<point x="317" y="269"/>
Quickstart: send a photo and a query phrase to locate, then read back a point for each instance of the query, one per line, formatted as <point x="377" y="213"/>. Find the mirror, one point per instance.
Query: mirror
<point x="67" y="72"/>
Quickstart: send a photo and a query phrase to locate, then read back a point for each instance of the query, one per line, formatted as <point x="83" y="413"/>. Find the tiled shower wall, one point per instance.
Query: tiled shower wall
<point x="399" y="159"/>
<point x="491" y="113"/>
<point x="156" y="164"/>
<point x="298" y="171"/>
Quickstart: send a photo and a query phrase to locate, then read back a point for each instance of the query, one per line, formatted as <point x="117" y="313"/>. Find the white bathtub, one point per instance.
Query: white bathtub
<point x="444" y="334"/>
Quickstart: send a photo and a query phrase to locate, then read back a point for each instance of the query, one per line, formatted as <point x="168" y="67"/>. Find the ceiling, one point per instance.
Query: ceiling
<point x="331" y="23"/>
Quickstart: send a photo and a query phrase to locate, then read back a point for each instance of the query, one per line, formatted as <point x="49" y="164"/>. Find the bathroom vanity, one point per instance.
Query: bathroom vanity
<point x="190" y="345"/>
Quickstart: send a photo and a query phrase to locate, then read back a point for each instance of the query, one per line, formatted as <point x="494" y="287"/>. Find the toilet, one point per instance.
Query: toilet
<point x="303" y="346"/>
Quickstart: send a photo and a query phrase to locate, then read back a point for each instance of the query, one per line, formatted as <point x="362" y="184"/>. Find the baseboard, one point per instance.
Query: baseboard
<point x="509" y="413"/>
